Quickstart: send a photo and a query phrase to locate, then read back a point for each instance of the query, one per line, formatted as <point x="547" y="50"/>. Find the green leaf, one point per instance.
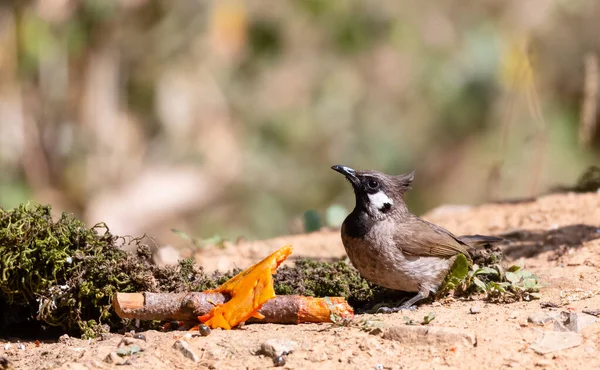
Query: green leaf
<point x="486" y="271"/>
<point x="480" y="284"/>
<point x="501" y="287"/>
<point x="458" y="273"/>
<point x="429" y="318"/>
<point x="524" y="273"/>
<point x="512" y="277"/>
<point x="408" y="321"/>
<point x="513" y="268"/>
<point x="530" y="283"/>
<point x="126" y="351"/>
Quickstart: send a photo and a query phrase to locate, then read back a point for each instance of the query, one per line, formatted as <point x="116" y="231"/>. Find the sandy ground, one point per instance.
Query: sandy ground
<point x="558" y="239"/>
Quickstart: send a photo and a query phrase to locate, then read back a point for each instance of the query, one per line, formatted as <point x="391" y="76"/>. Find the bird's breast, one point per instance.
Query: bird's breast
<point x="378" y="258"/>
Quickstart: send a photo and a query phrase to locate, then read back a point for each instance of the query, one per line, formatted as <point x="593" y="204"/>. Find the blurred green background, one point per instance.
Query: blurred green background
<point x="223" y="117"/>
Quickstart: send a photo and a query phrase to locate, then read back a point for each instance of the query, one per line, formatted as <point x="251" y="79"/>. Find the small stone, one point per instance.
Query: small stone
<point x="278" y="361"/>
<point x="542" y="317"/>
<point x="277" y="347"/>
<point x="592" y="312"/>
<point x="431" y="335"/>
<point x="475" y="310"/>
<point x="114" y="358"/>
<point x="21" y="346"/>
<point x="185" y="350"/>
<point x="376" y="331"/>
<point x="549" y="304"/>
<point x="140" y="336"/>
<point x="571" y="321"/>
<point x="64" y="339"/>
<point x="552" y="341"/>
<point x="204" y="330"/>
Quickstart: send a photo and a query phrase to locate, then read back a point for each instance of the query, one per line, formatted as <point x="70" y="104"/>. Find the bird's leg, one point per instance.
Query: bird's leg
<point x="408" y="305"/>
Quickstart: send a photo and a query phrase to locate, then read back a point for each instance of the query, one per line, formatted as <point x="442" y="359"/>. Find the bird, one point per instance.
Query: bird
<point x="394" y="248"/>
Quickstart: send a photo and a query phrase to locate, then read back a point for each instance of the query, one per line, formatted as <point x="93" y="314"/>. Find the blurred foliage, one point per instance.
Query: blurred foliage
<point x="103" y="103"/>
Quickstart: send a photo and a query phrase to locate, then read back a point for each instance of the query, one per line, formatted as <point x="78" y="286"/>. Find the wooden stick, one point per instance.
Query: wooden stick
<point x="287" y="309"/>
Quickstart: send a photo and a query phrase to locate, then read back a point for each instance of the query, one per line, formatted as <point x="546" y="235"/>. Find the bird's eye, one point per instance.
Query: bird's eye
<point x="373" y="184"/>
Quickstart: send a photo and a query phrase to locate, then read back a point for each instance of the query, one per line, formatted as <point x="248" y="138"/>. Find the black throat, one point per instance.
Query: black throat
<point x="357" y="224"/>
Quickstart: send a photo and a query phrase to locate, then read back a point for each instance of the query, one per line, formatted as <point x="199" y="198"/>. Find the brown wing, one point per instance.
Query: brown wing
<point x="418" y="237"/>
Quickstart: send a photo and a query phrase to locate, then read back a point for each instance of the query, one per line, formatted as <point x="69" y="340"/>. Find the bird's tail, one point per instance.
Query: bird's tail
<point x="478" y="241"/>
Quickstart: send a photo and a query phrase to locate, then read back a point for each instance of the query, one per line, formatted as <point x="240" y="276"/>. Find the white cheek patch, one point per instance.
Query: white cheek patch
<point x="379" y="200"/>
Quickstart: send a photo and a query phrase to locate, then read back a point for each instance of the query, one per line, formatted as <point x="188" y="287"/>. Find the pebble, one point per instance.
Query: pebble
<point x="543" y="317"/>
<point x="277" y="347"/>
<point x="278" y="361"/>
<point x="114" y="358"/>
<point x="428" y="336"/>
<point x="140" y="336"/>
<point x="185" y="350"/>
<point x="204" y="330"/>
<point x="376" y="331"/>
<point x="552" y="341"/>
<point x="571" y="321"/>
<point x="475" y="310"/>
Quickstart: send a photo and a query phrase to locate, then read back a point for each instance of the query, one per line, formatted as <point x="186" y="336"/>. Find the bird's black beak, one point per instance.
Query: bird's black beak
<point x="346" y="171"/>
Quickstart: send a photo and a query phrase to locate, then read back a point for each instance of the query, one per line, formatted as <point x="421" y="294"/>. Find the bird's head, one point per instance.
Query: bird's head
<point x="378" y="194"/>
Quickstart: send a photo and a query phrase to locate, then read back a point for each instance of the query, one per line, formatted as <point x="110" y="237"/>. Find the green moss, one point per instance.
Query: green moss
<point x="63" y="274"/>
<point x="335" y="279"/>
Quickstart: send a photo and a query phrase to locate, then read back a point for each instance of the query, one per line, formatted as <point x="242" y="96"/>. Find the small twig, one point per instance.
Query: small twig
<point x="288" y="309"/>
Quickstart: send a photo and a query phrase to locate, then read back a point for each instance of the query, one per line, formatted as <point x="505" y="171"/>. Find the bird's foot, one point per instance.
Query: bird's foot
<point x="387" y="310"/>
